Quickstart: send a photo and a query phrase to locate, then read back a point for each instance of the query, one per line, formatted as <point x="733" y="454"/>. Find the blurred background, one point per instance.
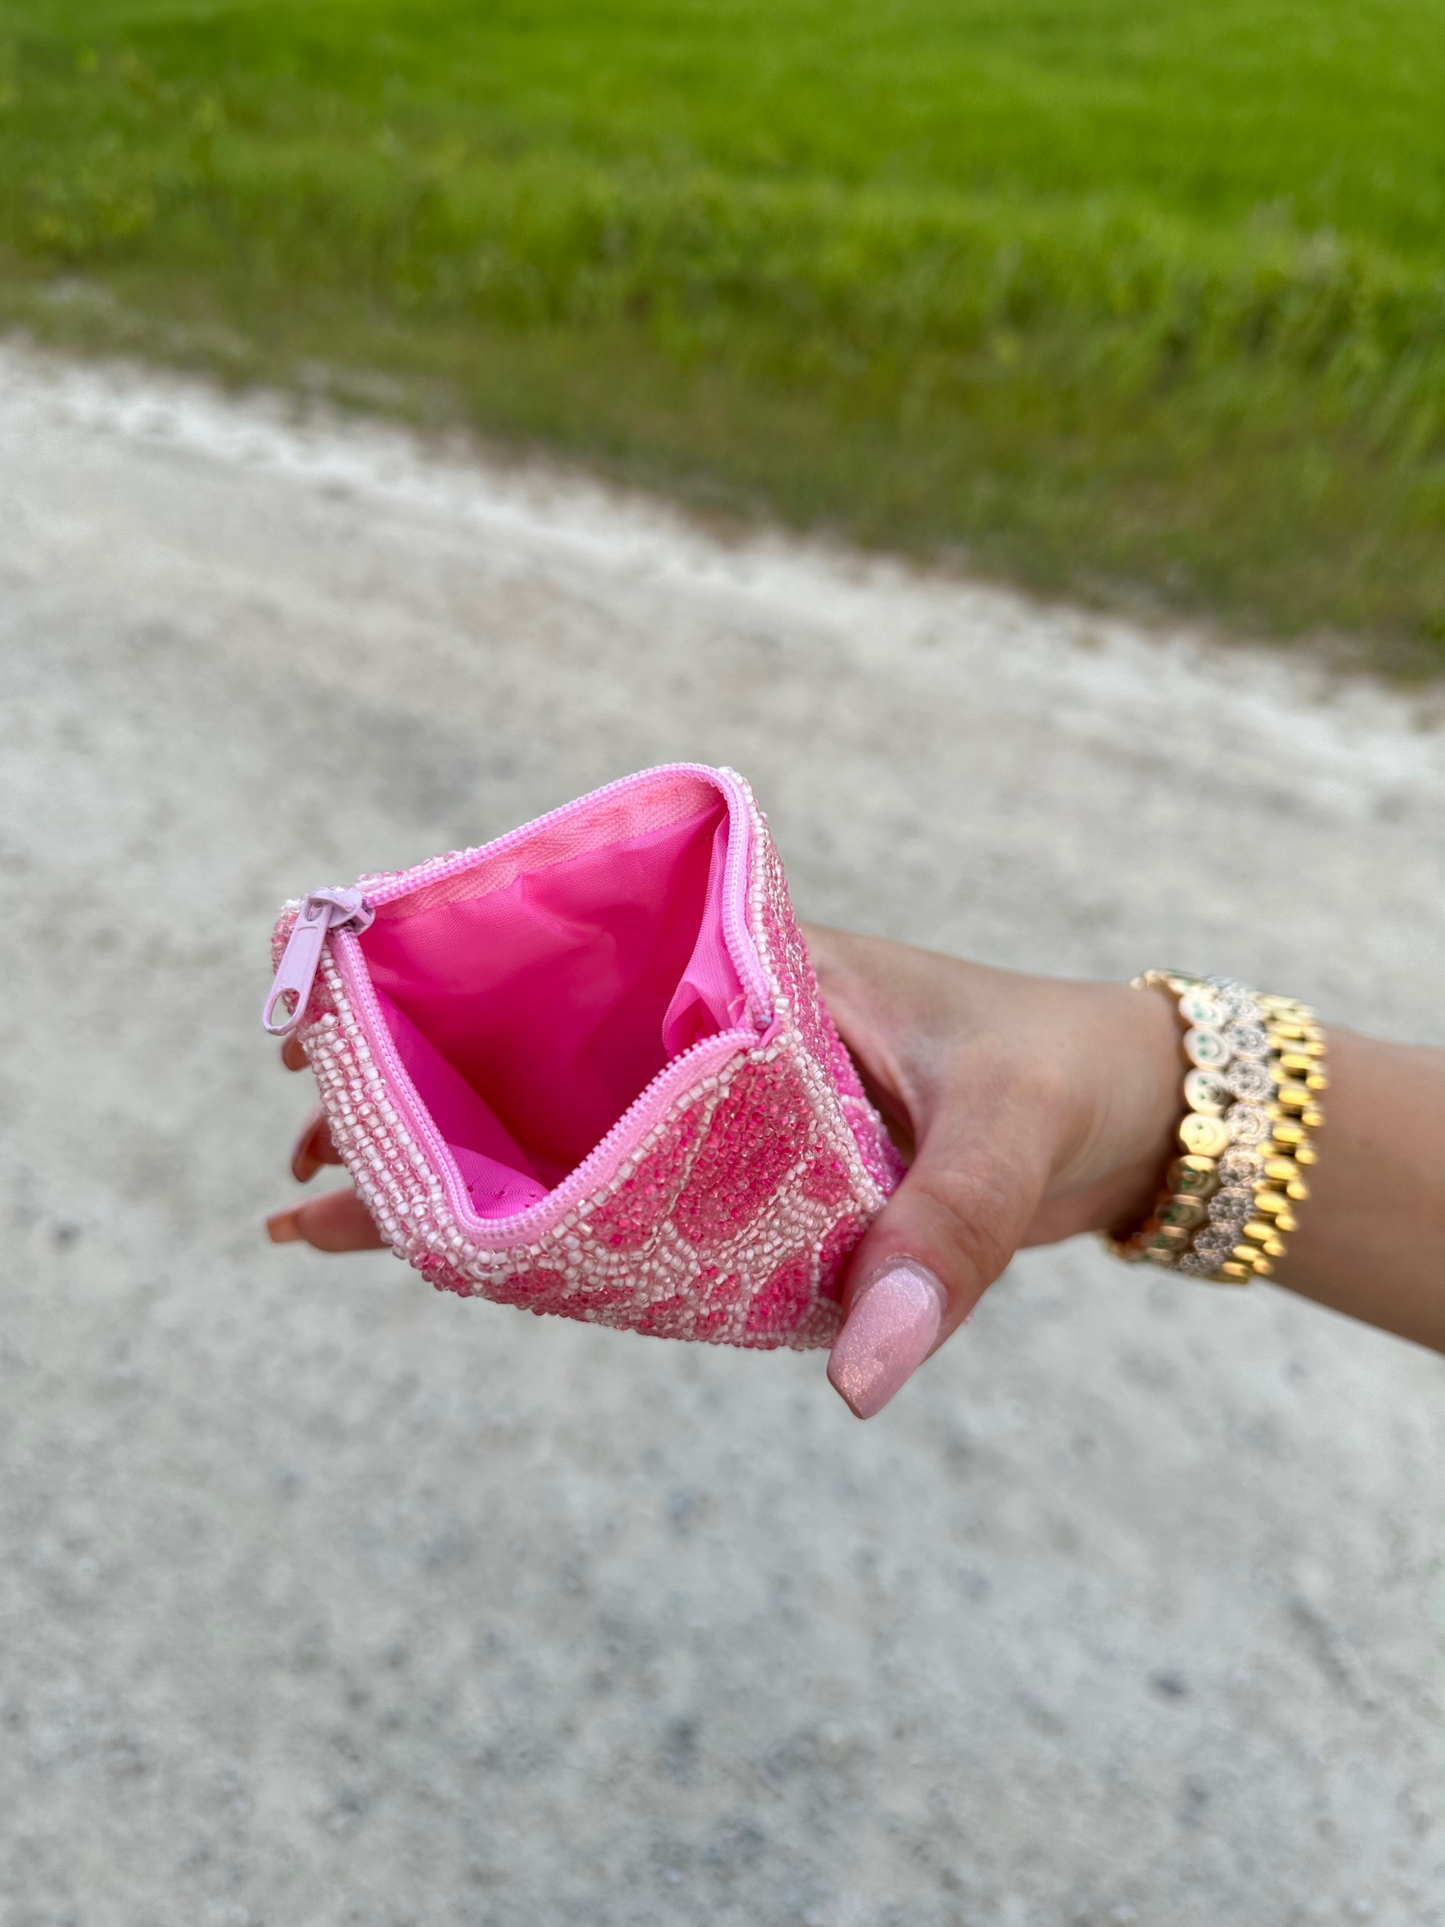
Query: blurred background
<point x="413" y="417"/>
<point x="1111" y="299"/>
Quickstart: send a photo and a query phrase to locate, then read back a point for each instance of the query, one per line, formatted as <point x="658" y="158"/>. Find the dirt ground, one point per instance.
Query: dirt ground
<point x="325" y="1599"/>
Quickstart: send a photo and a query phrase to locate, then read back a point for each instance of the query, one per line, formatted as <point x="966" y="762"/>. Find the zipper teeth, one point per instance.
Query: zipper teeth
<point x="583" y="1177"/>
<point x="437" y="869"/>
<point x="359" y="988"/>
<point x="736" y="878"/>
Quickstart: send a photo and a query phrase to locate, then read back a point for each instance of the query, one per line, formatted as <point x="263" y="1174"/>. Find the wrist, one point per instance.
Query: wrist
<point x="1146" y="1101"/>
<point x="1126" y="1069"/>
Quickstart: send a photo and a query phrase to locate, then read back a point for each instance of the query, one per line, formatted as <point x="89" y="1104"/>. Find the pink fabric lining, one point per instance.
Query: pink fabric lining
<point x="532" y="1011"/>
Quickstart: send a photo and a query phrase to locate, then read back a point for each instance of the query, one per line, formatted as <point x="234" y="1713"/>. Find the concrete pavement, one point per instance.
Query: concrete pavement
<point x="324" y="1599"/>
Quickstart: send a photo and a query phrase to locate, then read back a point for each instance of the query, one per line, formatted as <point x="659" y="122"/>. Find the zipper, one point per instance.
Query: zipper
<point x="736" y="934"/>
<point x="386" y="888"/>
<point x="320" y="913"/>
<point x="349" y="913"/>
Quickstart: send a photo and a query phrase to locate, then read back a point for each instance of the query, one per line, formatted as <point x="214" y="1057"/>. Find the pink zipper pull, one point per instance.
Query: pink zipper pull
<point x="322" y="911"/>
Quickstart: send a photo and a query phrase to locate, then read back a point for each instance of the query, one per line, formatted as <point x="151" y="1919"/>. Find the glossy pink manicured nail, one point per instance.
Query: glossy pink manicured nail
<point x="890" y="1331"/>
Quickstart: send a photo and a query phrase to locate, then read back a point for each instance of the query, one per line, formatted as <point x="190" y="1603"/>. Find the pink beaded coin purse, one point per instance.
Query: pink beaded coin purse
<point x="586" y="1069"/>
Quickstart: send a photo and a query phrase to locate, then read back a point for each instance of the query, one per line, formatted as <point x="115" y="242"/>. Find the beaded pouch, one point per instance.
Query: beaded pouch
<point x="586" y="1068"/>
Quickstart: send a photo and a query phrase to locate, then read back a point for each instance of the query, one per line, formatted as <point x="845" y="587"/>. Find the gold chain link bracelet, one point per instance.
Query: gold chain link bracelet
<point x="1256" y="1069"/>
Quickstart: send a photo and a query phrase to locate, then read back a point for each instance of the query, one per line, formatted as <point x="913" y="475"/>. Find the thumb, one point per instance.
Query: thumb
<point x="937" y="1245"/>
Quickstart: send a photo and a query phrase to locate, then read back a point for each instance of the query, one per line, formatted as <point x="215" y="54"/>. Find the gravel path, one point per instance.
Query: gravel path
<point x="324" y="1599"/>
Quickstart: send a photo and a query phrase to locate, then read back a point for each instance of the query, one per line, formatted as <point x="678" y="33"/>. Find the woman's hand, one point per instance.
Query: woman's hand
<point x="1031" y="1108"/>
<point x="1035" y="1108"/>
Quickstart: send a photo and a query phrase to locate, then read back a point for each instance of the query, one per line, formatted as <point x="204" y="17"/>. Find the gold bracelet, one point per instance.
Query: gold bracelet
<point x="1257" y="1067"/>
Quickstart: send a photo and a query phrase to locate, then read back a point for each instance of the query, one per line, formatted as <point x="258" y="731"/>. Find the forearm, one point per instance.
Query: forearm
<point x="1371" y="1238"/>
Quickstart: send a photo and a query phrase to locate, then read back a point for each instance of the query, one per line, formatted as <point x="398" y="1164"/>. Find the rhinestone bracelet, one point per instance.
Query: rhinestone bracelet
<point x="1257" y="1066"/>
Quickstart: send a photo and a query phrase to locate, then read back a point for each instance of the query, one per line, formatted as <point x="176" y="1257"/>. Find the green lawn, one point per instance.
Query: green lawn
<point x="1102" y="296"/>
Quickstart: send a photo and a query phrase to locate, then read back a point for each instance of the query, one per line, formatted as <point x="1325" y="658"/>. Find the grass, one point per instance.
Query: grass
<point x="1099" y="295"/>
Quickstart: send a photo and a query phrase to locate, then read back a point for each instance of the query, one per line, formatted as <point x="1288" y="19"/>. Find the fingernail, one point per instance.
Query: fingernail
<point x="283" y="1228"/>
<point x="305" y="1159"/>
<point x="890" y="1331"/>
